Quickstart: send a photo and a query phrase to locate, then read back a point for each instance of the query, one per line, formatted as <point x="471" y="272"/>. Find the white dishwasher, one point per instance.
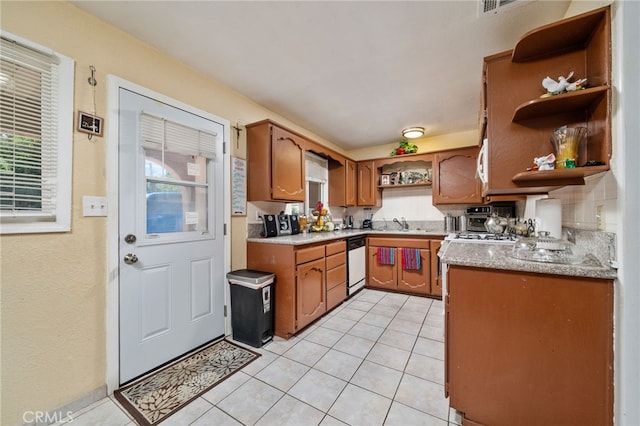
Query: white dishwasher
<point x="356" y="263"/>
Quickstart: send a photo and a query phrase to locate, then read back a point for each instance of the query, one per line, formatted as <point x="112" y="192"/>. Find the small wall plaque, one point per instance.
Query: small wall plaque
<point x="90" y="124"/>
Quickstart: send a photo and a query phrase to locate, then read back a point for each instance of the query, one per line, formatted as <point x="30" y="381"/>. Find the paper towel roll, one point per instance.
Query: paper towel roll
<point x="549" y="216"/>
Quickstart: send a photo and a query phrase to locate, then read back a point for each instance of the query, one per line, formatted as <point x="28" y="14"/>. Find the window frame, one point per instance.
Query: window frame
<point x="322" y="165"/>
<point x="62" y="222"/>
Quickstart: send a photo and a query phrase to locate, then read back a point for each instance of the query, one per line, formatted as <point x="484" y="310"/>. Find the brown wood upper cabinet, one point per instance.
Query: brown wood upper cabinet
<point x="343" y="183"/>
<point x="454" y="177"/>
<point x="275" y="163"/>
<point x="368" y="184"/>
<point x="520" y="123"/>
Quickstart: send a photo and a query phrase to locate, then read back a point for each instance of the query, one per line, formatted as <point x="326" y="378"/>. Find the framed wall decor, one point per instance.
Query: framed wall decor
<point x="238" y="187"/>
<point x="385" y="180"/>
<point x="91" y="124"/>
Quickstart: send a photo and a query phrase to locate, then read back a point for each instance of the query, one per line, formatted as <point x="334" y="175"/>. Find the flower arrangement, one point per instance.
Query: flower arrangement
<point x="405" y="147"/>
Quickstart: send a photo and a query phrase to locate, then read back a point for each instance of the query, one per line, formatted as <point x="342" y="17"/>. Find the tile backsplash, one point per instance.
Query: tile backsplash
<point x="583" y="206"/>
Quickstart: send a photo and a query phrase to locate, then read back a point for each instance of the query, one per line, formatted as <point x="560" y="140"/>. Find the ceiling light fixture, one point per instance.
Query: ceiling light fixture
<point x="413" y="132"/>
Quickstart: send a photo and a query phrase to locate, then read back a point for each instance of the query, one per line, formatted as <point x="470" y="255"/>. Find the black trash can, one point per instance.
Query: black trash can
<point x="252" y="304"/>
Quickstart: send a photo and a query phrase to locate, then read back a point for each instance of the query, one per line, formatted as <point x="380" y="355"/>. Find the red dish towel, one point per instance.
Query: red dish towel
<point x="410" y="258"/>
<point x="386" y="256"/>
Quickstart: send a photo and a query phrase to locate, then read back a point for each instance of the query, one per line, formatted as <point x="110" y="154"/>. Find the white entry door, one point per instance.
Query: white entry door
<point x="171" y="232"/>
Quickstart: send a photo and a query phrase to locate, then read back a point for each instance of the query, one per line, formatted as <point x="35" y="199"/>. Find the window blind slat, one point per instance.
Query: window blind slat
<point x="151" y="132"/>
<point x="28" y="127"/>
<point x="25" y="56"/>
<point x="208" y="145"/>
<point x="181" y="139"/>
<point x="158" y="133"/>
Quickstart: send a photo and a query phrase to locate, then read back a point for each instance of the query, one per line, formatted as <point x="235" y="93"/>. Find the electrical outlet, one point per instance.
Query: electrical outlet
<point x="600" y="219"/>
<point x="258" y="215"/>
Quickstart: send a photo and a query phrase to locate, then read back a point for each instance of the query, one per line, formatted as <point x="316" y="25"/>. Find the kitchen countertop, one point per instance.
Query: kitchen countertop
<point x="317" y="237"/>
<point x="497" y="256"/>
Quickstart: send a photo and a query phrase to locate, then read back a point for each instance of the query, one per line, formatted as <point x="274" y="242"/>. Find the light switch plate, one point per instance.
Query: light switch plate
<point x="94" y="206"/>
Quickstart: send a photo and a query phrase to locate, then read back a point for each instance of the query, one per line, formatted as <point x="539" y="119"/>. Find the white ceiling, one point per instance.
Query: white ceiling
<point x="353" y="72"/>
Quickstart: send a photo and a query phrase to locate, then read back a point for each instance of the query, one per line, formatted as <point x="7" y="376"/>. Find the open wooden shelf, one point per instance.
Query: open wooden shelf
<point x="568" y="35"/>
<point x="565" y="102"/>
<point x="425" y="157"/>
<point x="404" y="185"/>
<point x="518" y="121"/>
<point x="549" y="176"/>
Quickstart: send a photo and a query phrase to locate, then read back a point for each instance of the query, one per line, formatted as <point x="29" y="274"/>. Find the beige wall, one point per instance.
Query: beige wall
<point x="424" y="144"/>
<point x="54" y="285"/>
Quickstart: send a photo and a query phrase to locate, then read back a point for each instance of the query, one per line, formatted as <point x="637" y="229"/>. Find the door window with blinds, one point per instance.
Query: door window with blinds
<point x="36" y="128"/>
<point x="176" y="177"/>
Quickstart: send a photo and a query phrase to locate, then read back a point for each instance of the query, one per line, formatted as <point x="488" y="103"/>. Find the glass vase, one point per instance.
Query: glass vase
<point x="567" y="141"/>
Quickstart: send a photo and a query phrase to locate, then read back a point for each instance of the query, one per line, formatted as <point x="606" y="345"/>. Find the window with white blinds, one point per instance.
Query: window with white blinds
<point x="36" y="125"/>
<point x="165" y="135"/>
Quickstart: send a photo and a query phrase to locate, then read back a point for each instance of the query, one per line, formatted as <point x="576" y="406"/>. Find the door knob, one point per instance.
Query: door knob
<point x="130" y="258"/>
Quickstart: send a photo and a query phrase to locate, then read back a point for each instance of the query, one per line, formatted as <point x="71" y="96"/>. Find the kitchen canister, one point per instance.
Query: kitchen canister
<point x="449" y="223"/>
<point x="549" y="216"/>
<point x="462" y="223"/>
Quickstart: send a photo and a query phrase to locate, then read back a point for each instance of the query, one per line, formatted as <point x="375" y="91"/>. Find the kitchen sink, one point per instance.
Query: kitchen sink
<point x="416" y="231"/>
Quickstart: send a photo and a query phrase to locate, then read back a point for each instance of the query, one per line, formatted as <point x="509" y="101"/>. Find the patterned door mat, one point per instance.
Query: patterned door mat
<point x="153" y="398"/>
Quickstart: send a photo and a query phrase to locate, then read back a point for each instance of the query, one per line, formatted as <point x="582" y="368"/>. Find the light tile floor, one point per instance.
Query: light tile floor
<point x="376" y="359"/>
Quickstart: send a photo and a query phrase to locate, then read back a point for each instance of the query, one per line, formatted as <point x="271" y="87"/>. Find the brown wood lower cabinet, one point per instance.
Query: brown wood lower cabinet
<point x="336" y="271"/>
<point x="394" y="276"/>
<point x="311" y="298"/>
<point x="436" y="268"/>
<point x="381" y="275"/>
<point x="309" y="280"/>
<point x="529" y="349"/>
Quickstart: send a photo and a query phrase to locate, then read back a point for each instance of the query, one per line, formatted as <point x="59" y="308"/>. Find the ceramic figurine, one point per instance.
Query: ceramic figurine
<point x="547" y="162"/>
<point x="576" y="85"/>
<point x="562" y="85"/>
<point x="555" y="87"/>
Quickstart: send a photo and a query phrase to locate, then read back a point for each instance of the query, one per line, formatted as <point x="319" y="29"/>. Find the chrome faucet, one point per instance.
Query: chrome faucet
<point x="403" y="225"/>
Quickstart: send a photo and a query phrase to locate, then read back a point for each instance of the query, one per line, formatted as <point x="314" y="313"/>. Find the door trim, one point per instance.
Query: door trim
<point x="112" y="340"/>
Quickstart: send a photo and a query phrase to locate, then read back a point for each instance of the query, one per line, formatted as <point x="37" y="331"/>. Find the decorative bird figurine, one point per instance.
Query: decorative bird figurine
<point x="562" y="85"/>
<point x="555" y="87"/>
<point x="576" y="85"/>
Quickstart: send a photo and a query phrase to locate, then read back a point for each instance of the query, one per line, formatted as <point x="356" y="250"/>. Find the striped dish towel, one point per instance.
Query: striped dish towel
<point x="410" y="258"/>
<point x="386" y="256"/>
